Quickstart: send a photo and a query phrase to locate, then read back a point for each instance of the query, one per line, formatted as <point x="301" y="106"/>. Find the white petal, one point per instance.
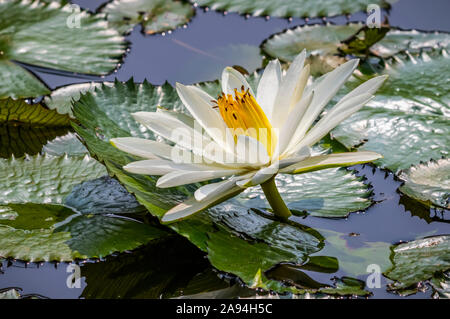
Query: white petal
<point x="183" y="177"/>
<point x="331" y="160"/>
<point x="286" y="93"/>
<point x="212" y="190"/>
<point x="184" y="136"/>
<point x="192" y="206"/>
<point x="183" y="117"/>
<point x="336" y="115"/>
<point x="161" y="167"/>
<point x="206" y="116"/>
<point x="291" y="124"/>
<point x="142" y="147"/>
<point x="298" y="156"/>
<point x="261" y="176"/>
<point x="370" y="87"/>
<point x="251" y="151"/>
<point x="233" y="79"/>
<point x="323" y="93"/>
<point x="268" y="87"/>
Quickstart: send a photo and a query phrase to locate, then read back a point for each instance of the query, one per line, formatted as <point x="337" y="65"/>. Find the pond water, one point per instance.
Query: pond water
<point x="174" y="267"/>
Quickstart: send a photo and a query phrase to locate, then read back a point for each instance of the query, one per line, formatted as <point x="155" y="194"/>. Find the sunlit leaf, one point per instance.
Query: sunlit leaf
<point x="296" y="8"/>
<point x="48" y="35"/>
<point x="46" y="214"/>
<point x="154" y="15"/>
<point x="428" y="183"/>
<point x="325" y="193"/>
<point x="418" y="260"/>
<point x="407" y="122"/>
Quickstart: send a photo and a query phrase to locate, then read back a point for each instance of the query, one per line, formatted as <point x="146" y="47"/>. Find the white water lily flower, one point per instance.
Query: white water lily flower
<point x="274" y="127"/>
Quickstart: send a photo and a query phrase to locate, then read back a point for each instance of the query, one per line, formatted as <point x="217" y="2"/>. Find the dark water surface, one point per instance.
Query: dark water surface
<point x="196" y="53"/>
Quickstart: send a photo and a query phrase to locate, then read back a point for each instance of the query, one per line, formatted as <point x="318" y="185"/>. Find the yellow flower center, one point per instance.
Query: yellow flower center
<point x="244" y="116"/>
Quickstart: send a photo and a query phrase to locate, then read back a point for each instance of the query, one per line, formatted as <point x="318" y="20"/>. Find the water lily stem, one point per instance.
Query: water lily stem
<point x="279" y="207"/>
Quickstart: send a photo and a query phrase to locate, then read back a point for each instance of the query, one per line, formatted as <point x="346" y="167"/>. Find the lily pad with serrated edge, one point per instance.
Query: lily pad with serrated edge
<point x="155" y="15"/>
<point x="42" y="34"/>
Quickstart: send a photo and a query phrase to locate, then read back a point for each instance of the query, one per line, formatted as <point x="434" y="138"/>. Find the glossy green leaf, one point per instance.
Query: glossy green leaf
<point x="408" y="121"/>
<point x="20" y="82"/>
<point x="418" y="260"/>
<point x="316" y="39"/>
<point x="44" y="179"/>
<point x="154" y="15"/>
<point x="325" y="193"/>
<point x="9" y="294"/>
<point x="26" y="128"/>
<point x="347" y="286"/>
<point x="45" y="214"/>
<point x="296" y="8"/>
<point x="61" y="98"/>
<point x="48" y="35"/>
<point x="428" y="183"/>
<point x="328" y="43"/>
<point x="441" y="285"/>
<point x="66" y="144"/>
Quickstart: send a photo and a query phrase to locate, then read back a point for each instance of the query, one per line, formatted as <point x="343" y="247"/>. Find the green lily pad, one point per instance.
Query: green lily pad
<point x="296" y="8"/>
<point x="44" y="179"/>
<point x="325" y="193"/>
<point x="407" y="121"/>
<point x="46" y="214"/>
<point x="18" y="112"/>
<point x="26" y="128"/>
<point x="21" y="140"/>
<point x="428" y="183"/>
<point x="441" y="285"/>
<point x="347" y="286"/>
<point x="67" y="144"/>
<point x="417" y="261"/>
<point x="317" y="39"/>
<point x="10" y="294"/>
<point x="154" y="15"/>
<point x="103" y="195"/>
<point x="61" y="98"/>
<point x="327" y="44"/>
<point x="47" y="35"/>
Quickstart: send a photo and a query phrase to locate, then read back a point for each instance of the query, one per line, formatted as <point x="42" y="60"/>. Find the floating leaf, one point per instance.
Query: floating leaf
<point x="327" y="43"/>
<point x="317" y="39"/>
<point x="9" y="294"/>
<point x="18" y="112"/>
<point x="295" y="8"/>
<point x="47" y="35"/>
<point x="61" y="98"/>
<point x="45" y="214"/>
<point x="154" y="15"/>
<point x="428" y="183"/>
<point x="407" y="122"/>
<point x="347" y="286"/>
<point x="21" y="140"/>
<point x="66" y="144"/>
<point x="103" y="195"/>
<point x="325" y="193"/>
<point x="44" y="179"/>
<point x="418" y="260"/>
<point x="441" y="285"/>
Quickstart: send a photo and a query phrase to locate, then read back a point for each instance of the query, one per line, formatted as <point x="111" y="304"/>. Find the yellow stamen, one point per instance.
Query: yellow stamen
<point x="243" y="114"/>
